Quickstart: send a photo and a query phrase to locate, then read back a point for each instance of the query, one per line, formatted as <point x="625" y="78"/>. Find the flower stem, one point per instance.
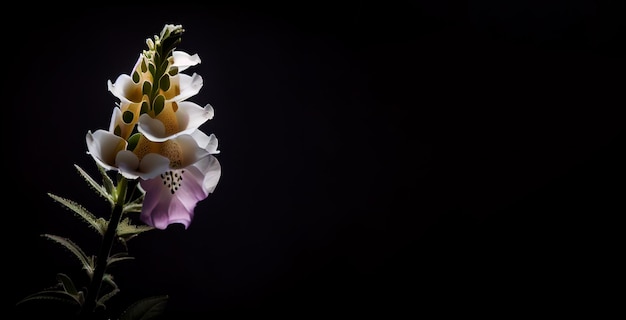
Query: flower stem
<point x="102" y="258"/>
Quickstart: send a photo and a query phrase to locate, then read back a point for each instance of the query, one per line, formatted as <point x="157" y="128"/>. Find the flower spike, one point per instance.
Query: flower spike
<point x="154" y="134"/>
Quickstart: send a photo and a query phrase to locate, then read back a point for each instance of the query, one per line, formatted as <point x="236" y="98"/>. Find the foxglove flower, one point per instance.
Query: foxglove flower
<point x="154" y="133"/>
<point x="173" y="195"/>
<point x="164" y="163"/>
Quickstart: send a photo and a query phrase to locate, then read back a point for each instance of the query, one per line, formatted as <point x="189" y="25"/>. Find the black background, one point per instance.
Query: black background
<point x="378" y="158"/>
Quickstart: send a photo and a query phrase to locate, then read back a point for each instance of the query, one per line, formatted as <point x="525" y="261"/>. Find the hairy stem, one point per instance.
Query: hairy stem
<point x="102" y="258"/>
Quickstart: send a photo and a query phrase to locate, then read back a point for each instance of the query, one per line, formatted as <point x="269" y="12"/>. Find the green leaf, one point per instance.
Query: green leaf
<point x="68" y="284"/>
<point x="119" y="255"/>
<point x="125" y="228"/>
<point x="115" y="260"/>
<point x="108" y="184"/>
<point x="52" y="295"/>
<point x="75" y="249"/>
<point x="145" y="309"/>
<point x="102" y="191"/>
<point x="108" y="279"/>
<point x="135" y="201"/>
<point x="133" y="207"/>
<point x="82" y="212"/>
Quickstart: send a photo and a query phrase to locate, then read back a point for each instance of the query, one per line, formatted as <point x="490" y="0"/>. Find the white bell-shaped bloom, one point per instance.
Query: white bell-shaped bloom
<point x="172" y="196"/>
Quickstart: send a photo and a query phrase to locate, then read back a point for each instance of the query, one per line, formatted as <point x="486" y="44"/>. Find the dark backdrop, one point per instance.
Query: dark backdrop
<point x="378" y="158"/>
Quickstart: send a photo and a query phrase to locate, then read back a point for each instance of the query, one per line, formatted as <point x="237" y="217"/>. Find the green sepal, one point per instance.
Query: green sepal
<point x="97" y="224"/>
<point x="168" y="44"/>
<point x="104" y="191"/>
<point x="76" y="250"/>
<point x="145" y="309"/>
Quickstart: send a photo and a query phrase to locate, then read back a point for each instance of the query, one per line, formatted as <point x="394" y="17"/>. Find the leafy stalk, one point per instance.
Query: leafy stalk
<point x="105" y="250"/>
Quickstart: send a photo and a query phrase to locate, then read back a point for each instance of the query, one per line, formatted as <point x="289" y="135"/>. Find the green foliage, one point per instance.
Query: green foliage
<point x="146" y="309"/>
<point x="120" y="256"/>
<point x="108" y="280"/>
<point x="127" y="230"/>
<point x="64" y="292"/>
<point x="104" y="190"/>
<point x="123" y="194"/>
<point x="98" y="224"/>
<point x="87" y="263"/>
<point x="51" y="295"/>
<point x="68" y="285"/>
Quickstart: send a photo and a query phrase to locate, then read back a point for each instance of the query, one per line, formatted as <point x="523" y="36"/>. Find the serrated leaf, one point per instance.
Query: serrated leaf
<point x="89" y="217"/>
<point x="138" y="195"/>
<point x="145" y="309"/>
<point x="68" y="284"/>
<point x="119" y="255"/>
<point x="108" y="279"/>
<point x="52" y="295"/>
<point x="108" y="182"/>
<point x="101" y="190"/>
<point x="102" y="224"/>
<point x="75" y="249"/>
<point x="133" y="207"/>
<point x="115" y="260"/>
<point x="125" y="228"/>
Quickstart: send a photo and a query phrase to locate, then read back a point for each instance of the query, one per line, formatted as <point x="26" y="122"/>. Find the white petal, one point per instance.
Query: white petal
<point x="192" y="115"/>
<point x="152" y="129"/>
<point x="212" y="171"/>
<point x="183" y="60"/>
<point x="138" y="62"/>
<point x="211" y="146"/>
<point x="152" y="165"/>
<point x="103" y="147"/>
<point x="116" y="117"/>
<point x="192" y="152"/>
<point x="122" y="84"/>
<point x="189" y="115"/>
<point x="189" y="86"/>
<point x="209" y="143"/>
<point x="127" y="162"/>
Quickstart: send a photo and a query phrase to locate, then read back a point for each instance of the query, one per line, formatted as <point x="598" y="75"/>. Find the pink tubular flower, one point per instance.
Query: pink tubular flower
<point x="172" y="197"/>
